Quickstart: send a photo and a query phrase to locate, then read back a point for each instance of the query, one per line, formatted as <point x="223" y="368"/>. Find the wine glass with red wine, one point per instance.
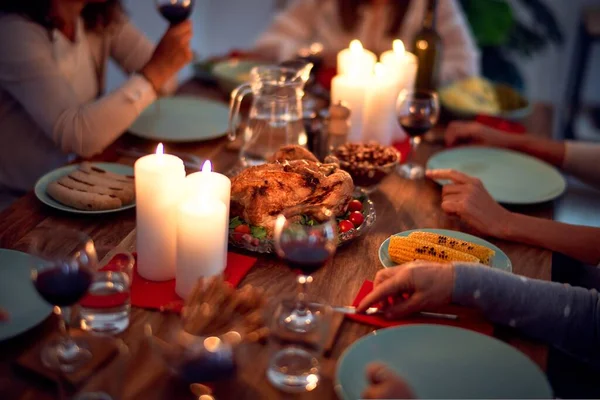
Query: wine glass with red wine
<point x="63" y="269"/>
<point x="175" y="11"/>
<point x="305" y="238"/>
<point x="417" y="112"/>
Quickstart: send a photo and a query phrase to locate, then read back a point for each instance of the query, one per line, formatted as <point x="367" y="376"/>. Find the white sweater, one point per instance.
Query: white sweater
<point x="50" y="107"/>
<point x="307" y="21"/>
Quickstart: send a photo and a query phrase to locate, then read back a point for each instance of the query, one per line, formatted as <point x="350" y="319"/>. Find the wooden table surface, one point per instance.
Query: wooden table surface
<point x="400" y="205"/>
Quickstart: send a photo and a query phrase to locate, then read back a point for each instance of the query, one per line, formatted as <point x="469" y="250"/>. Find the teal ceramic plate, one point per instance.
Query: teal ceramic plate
<point x="500" y="260"/>
<point x="510" y="177"/>
<point x="42" y="183"/>
<point x="18" y="297"/>
<point x="182" y="119"/>
<point x="442" y="362"/>
<point x="233" y="72"/>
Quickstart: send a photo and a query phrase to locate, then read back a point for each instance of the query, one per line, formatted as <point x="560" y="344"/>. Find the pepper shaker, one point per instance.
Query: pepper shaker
<point x="338" y="125"/>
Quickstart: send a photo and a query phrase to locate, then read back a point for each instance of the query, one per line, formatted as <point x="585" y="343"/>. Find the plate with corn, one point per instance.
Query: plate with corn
<point x="441" y="245"/>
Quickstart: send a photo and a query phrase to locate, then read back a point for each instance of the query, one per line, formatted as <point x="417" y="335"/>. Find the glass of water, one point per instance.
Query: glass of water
<point x="294" y="364"/>
<point x="107" y="306"/>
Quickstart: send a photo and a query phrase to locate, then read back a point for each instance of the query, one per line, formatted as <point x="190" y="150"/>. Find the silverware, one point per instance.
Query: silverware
<point x="190" y="161"/>
<point x="377" y="311"/>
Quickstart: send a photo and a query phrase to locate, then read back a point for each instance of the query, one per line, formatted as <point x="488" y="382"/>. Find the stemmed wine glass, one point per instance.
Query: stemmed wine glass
<point x="306" y="238"/>
<point x="417" y="111"/>
<point x="63" y="269"/>
<point x="175" y="11"/>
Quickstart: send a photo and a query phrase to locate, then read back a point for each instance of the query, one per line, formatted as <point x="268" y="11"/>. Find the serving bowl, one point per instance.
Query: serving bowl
<point x="233" y="72"/>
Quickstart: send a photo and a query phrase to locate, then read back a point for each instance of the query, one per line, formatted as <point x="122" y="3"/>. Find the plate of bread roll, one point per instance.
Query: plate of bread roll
<point x="88" y="188"/>
<point x="441" y="246"/>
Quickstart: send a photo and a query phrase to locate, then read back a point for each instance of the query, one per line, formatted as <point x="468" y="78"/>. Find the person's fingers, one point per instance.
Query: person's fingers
<point x="451" y="206"/>
<point x="181" y="28"/>
<point x="450" y="174"/>
<point x="459" y="131"/>
<point x="403" y="308"/>
<point x="383" y="275"/>
<point x="399" y="283"/>
<point x="452" y="188"/>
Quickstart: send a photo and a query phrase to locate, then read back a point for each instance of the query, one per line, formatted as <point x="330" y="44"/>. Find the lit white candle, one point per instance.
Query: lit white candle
<point x="351" y="91"/>
<point x="159" y="180"/>
<point x="201" y="244"/>
<point x="210" y="184"/>
<point x="401" y="64"/>
<point x="379" y="121"/>
<point x="355" y="60"/>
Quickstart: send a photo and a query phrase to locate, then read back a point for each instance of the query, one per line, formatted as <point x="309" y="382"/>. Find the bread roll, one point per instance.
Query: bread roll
<point x="95" y="170"/>
<point x="82" y="200"/>
<point x="126" y="196"/>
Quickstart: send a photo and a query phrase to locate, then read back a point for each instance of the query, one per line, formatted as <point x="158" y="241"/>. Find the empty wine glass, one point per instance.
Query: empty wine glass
<point x="306" y="238"/>
<point x="175" y="11"/>
<point x="417" y="112"/>
<point x="62" y="272"/>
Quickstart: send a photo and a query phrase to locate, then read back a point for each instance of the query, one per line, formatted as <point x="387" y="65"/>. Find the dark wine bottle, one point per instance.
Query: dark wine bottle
<point x="428" y="48"/>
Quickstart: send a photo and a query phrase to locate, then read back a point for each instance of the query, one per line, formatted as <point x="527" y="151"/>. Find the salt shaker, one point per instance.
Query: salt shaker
<point x="338" y="125"/>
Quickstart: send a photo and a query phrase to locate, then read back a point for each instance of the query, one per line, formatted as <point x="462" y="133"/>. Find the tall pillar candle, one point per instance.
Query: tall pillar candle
<point x="379" y="120"/>
<point x="401" y="64"/>
<point x="210" y="184"/>
<point x="201" y="241"/>
<point x="355" y="60"/>
<point x="159" y="181"/>
<point x="351" y="91"/>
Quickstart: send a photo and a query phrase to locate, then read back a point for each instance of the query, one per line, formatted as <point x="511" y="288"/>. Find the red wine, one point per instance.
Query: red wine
<point x="305" y="257"/>
<point x="415" y="126"/>
<point x="63" y="285"/>
<point x="174" y="13"/>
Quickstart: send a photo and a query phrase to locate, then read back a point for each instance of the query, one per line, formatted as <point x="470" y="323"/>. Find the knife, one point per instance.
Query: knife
<point x="377" y="311"/>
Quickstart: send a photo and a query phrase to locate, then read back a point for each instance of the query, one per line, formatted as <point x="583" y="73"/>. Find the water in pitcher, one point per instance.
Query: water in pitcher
<point x="264" y="135"/>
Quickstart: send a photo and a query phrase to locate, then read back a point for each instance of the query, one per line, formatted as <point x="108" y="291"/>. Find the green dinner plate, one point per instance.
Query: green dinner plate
<point x="42" y="184"/>
<point x="500" y="260"/>
<point x="182" y="119"/>
<point x="510" y="177"/>
<point x="442" y="362"/>
<point x="18" y="297"/>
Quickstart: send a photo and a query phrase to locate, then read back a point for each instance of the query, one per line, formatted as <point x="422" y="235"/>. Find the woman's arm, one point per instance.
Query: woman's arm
<point x="563" y="316"/>
<point x="132" y="50"/>
<point x="289" y="30"/>
<point x="460" y="56"/>
<point x="583" y="161"/>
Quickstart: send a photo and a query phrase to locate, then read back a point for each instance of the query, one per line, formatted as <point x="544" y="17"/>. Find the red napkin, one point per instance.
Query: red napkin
<point x="403" y="147"/>
<point x="467" y="318"/>
<point x="501" y="124"/>
<point x="161" y="295"/>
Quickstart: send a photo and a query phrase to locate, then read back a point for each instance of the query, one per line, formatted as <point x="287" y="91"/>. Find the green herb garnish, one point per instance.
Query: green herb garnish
<point x="258" y="232"/>
<point x="235" y="222"/>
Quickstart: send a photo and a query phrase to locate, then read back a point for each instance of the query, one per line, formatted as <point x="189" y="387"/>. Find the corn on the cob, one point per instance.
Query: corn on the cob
<point x="483" y="253"/>
<point x="405" y="249"/>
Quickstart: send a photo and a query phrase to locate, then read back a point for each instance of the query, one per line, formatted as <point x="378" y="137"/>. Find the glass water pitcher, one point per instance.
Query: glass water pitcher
<point x="275" y="117"/>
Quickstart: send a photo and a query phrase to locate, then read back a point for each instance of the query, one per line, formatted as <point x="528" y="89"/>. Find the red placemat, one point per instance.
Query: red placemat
<point x="161" y="295"/>
<point x="467" y="318"/>
<point x="403" y="146"/>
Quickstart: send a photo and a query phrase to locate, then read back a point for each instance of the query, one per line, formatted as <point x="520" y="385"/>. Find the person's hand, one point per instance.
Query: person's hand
<point x="469" y="132"/>
<point x="467" y="198"/>
<point x="411" y="287"/>
<point x="385" y="384"/>
<point x="172" y="53"/>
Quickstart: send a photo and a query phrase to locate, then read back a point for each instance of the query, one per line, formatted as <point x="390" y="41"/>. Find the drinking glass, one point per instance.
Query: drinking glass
<point x="417" y="111"/>
<point x="107" y="306"/>
<point x="62" y="272"/>
<point x="306" y="238"/>
<point x="294" y="354"/>
<point x="175" y="11"/>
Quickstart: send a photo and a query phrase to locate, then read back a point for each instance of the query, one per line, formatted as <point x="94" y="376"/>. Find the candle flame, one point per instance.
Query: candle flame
<point x="356" y="46"/>
<point x="398" y="46"/>
<point x="207" y="166"/>
<point x="379" y="70"/>
<point x="160" y="149"/>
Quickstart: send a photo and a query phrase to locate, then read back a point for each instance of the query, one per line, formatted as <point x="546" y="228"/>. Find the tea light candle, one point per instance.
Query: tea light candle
<point x="379" y="121"/>
<point x="351" y="91"/>
<point x="159" y="180"/>
<point x="210" y="184"/>
<point x="201" y="241"/>
<point x="355" y="60"/>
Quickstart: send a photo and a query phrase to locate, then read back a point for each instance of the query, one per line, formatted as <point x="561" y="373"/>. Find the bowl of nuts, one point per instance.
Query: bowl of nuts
<point x="367" y="163"/>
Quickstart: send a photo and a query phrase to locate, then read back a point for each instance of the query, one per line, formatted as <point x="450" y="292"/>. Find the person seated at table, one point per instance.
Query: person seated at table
<point x="467" y="198"/>
<point x="53" y="59"/>
<point x="563" y="316"/>
<point x="376" y="23"/>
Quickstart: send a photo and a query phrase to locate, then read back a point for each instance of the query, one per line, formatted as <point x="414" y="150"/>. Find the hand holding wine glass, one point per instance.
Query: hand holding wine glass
<point x="417" y="111"/>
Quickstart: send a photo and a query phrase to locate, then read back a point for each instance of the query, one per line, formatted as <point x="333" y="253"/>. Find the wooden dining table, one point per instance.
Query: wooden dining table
<point x="400" y="205"/>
